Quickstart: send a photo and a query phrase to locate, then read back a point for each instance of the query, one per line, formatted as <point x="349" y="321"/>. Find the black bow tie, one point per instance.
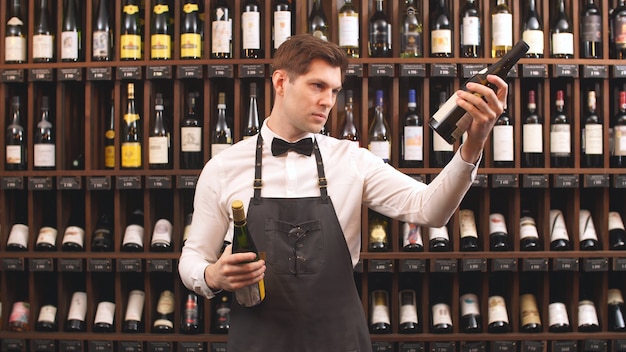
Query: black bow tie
<point x="303" y="146"/>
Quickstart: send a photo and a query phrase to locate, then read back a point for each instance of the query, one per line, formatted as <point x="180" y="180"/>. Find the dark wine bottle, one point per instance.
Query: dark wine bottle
<point x="591" y="31"/>
<point x="528" y="234"/>
<point x="471" y="318"/>
<point x="439" y="240"/>
<point x="562" y="37"/>
<point x="532" y="135"/>
<point x="468" y="231"/>
<point x="380" y="321"/>
<point x="413" y="135"/>
<point x="349" y="130"/>
<point x="379" y="131"/>
<point x="592" y="135"/>
<point x="498" y="317"/>
<point x="102" y="238"/>
<point x="442" y="152"/>
<point x="71" y="34"/>
<point x="44" y="150"/>
<point x="161" y="236"/>
<point x="222" y="136"/>
<point x="131" y="137"/>
<point x="318" y="24"/>
<point x="617" y="313"/>
<point x="15" y="139"/>
<point x="618" y="155"/>
<point x="557" y="309"/>
<point x="133" y="319"/>
<point x="161" y="32"/>
<point x="43" y="38"/>
<point x="74" y="235"/>
<point x="470" y="27"/>
<point x="164" y="322"/>
<point x="191" y="136"/>
<point x="441" y="317"/>
<point x="191" y="316"/>
<point x="503" y="140"/>
<point x="409" y="320"/>
<point x="222" y="31"/>
<point x="559" y="239"/>
<point x="560" y="135"/>
<point x="378" y="233"/>
<point x="47" y="318"/>
<point x="588" y="237"/>
<point x="532" y="31"/>
<point x="131" y="40"/>
<point x="77" y="312"/>
<point x="102" y="36"/>
<point x="441" y="27"/>
<point x="191" y="31"/>
<point x="19" y="233"/>
<point x="253" y="126"/>
<point x="618" y="31"/>
<point x="451" y="120"/>
<point x="411" y="43"/>
<point x="19" y="319"/>
<point x="47" y="236"/>
<point x="587" y="314"/>
<point x="379" y="33"/>
<point x="159" y="149"/>
<point x="133" y="234"/>
<point x="281" y="26"/>
<point x="617" y="233"/>
<point x="15" y="36"/>
<point x="109" y="138"/>
<point x="221" y="310"/>
<point x="251" y="34"/>
<point x="498" y="234"/>
<point x="412" y="238"/>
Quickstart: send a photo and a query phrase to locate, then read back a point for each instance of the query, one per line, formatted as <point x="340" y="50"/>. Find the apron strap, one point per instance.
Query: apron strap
<point x="321" y="177"/>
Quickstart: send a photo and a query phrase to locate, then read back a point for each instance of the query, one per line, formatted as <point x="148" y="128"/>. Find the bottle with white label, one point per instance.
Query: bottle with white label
<point x="498" y="317"/>
<point x="44" y="149"/>
<point x="164" y="322"/>
<point x="528" y="233"/>
<point x="380" y="321"/>
<point x="19" y="233"/>
<point x="559" y="238"/>
<point x="587" y="314"/>
<point x="15" y="35"/>
<point x="503" y="141"/>
<point x="159" y="146"/>
<point x="471" y="318"/>
<point x="468" y="231"/>
<point x="617" y="232"/>
<point x="592" y="142"/>
<point x="530" y="320"/>
<point x="379" y="133"/>
<point x="133" y="319"/>
<point x="47" y="236"/>
<point x="558" y="318"/>
<point x="349" y="29"/>
<point x="501" y="29"/>
<point x="412" y="238"/>
<point x="47" y="318"/>
<point x="441" y="316"/>
<point x="104" y="294"/>
<point x="498" y="234"/>
<point x="587" y="232"/>
<point x="532" y="134"/>
<point x="161" y="236"/>
<point x="222" y="135"/>
<point x="74" y="235"/>
<point x="43" y="39"/>
<point x="409" y="319"/>
<point x="282" y="22"/>
<point x="133" y="234"/>
<point x="413" y="135"/>
<point x="562" y="36"/>
<point x="77" y="312"/>
<point x="71" y="32"/>
<point x="251" y="30"/>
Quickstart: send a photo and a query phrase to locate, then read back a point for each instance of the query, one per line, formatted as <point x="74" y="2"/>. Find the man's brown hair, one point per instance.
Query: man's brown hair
<point x="296" y="53"/>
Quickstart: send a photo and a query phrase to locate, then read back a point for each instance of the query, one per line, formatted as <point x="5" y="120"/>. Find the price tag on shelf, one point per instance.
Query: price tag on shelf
<point x="71" y="264"/>
<point x="469" y="70"/>
<point x="448" y="346"/>
<point x="100" y="265"/>
<point x="159" y="182"/>
<point x="71" y="345"/>
<point x="12" y="76"/>
<point x="99" y="183"/>
<point x="504" y="180"/>
<point x="128" y="182"/>
<point x="252" y="71"/>
<point x="504" y="264"/>
<point x="444" y="265"/>
<point x="503" y="346"/>
<point x="218" y="347"/>
<point x="129" y="72"/>
<point x="131" y="346"/>
<point x="354" y="70"/>
<point x="158" y="346"/>
<point x="565" y="264"/>
<point x="70" y="74"/>
<point x="13" y="345"/>
<point x="595" y="71"/>
<point x="159" y="265"/>
<point x="411" y="347"/>
<point x="412" y="70"/>
<point x="190" y="347"/>
<point x="12" y="264"/>
<point x="43" y="345"/>
<point x="595" y="264"/>
<point x="412" y="265"/>
<point x="380" y="266"/>
<point x="535" y="181"/>
<point x="619" y="181"/>
<point x="382" y="346"/>
<point x="474" y="346"/>
<point x="565" y="70"/>
<point x="531" y="346"/>
<point x="618" y="71"/>
<point x="443" y="70"/>
<point x="535" y="264"/>
<point x="41" y="75"/>
<point x="474" y="264"/>
<point x="566" y="181"/>
<point x="12" y="183"/>
<point x="534" y="70"/>
<point x="619" y="264"/>
<point x="40" y="183"/>
<point x="619" y="346"/>
<point x="381" y="70"/>
<point x="220" y="71"/>
<point x="100" y="346"/>
<point x="189" y="71"/>
<point x="129" y="265"/>
<point x="186" y="181"/>
<point x="69" y="182"/>
<point x="159" y="72"/>
<point x="41" y="264"/>
<point x="99" y="73"/>
<point x="595" y="345"/>
<point x="596" y="181"/>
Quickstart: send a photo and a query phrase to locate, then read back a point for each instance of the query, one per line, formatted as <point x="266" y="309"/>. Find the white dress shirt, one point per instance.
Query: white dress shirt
<point x="355" y="177"/>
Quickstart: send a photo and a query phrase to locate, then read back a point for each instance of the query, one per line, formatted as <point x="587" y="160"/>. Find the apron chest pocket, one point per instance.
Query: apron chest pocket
<point x="295" y="249"/>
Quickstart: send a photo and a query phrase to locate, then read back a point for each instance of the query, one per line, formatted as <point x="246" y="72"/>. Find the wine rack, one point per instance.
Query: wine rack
<point x="80" y="95"/>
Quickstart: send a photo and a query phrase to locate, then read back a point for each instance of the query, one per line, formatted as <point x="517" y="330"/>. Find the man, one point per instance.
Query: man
<point x="312" y="243"/>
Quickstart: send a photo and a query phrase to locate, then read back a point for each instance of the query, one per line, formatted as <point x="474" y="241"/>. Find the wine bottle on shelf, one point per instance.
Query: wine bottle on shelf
<point x="559" y="238"/>
<point x="222" y="31"/>
<point x="47" y="236"/>
<point x="109" y="138"/>
<point x="413" y="135"/>
<point x="253" y="126"/>
<point x="562" y="37"/>
<point x="19" y="233"/>
<point x="102" y="34"/>
<point x="191" y="31"/>
<point x="131" y="40"/>
<point x="441" y="317"/>
<point x="77" y="312"/>
<point x="528" y="234"/>
<point x="442" y="150"/>
<point x="468" y="231"/>
<point x="501" y="29"/>
<point x="532" y="31"/>
<point x="349" y="130"/>
<point x="471" y="318"/>
<point x="498" y="234"/>
<point x="43" y="39"/>
<point x="104" y="318"/>
<point x="221" y="316"/>
<point x="44" y="151"/>
<point x="587" y="314"/>
<point x="159" y="149"/>
<point x="102" y="238"/>
<point x="529" y="311"/>
<point x="191" y="136"/>
<point x="161" y="32"/>
<point x="503" y="140"/>
<point x="532" y="135"/>
<point x="222" y="137"/>
<point x="379" y="33"/>
<point x="251" y="295"/>
<point x="131" y="137"/>
<point x="379" y="133"/>
<point x="588" y="236"/>
<point x="378" y="233"/>
<point x="251" y="38"/>
<point x="74" y="235"/>
<point x="617" y="233"/>
<point x="592" y="133"/>
<point x="618" y="155"/>
<point x="133" y="322"/>
<point x="618" y="30"/>
<point x="451" y="120"/>
<point x="164" y="322"/>
<point x="470" y="27"/>
<point x="498" y="317"/>
<point x="411" y="43"/>
<point x="15" y="35"/>
<point x="412" y="238"/>
<point x="349" y="29"/>
<point x="47" y="318"/>
<point x="560" y="135"/>
<point x="441" y="27"/>
<point x="409" y="319"/>
<point x="162" y="236"/>
<point x="15" y="139"/>
<point x="617" y="312"/>
<point x="591" y="31"/>
<point x="71" y="33"/>
<point x="133" y="234"/>
<point x="439" y="240"/>
<point x="19" y="319"/>
<point x="557" y="309"/>
<point x="380" y="320"/>
<point x="191" y="316"/>
<point x="318" y="24"/>
<point x="281" y="29"/>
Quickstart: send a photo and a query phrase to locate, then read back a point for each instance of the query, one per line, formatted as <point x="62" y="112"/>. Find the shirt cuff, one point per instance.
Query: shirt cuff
<point x="199" y="284"/>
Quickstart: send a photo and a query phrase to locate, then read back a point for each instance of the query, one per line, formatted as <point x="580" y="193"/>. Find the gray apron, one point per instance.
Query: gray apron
<point x="312" y="303"/>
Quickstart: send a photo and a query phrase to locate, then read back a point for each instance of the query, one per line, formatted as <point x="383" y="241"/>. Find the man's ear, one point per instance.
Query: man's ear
<point x="279" y="79"/>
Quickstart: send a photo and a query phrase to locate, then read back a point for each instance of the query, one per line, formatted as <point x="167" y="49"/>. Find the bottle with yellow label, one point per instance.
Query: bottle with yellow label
<point x="161" y="32"/>
<point x="191" y="33"/>
<point x="131" y="42"/>
<point x="131" y="138"/>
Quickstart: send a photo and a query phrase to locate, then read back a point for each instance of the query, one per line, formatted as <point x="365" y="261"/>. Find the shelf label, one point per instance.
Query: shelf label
<point x="41" y="264"/>
<point x="380" y="266"/>
<point x="100" y="265"/>
<point x="159" y="182"/>
<point x="354" y="70"/>
<point x="595" y="264"/>
<point x="39" y="183"/>
<point x="70" y="74"/>
<point x="69" y="182"/>
<point x="40" y="75"/>
<point x="43" y="345"/>
<point x="382" y="346"/>
<point x="442" y="346"/>
<point x="412" y="70"/>
<point x="99" y="73"/>
<point x="594" y="345"/>
<point x="531" y="346"/>
<point x="535" y="181"/>
<point x="160" y="265"/>
<point x="505" y="180"/>
<point x="619" y="181"/>
<point x="223" y="71"/>
<point x="565" y="70"/>
<point x="128" y="182"/>
<point x="100" y="346"/>
<point x="12" y="76"/>
<point x="159" y="72"/>
<point x="252" y="70"/>
<point x="71" y="264"/>
<point x="99" y="183"/>
<point x="13" y="264"/>
<point x="412" y="265"/>
<point x="411" y="347"/>
<point x="131" y="346"/>
<point x="469" y="70"/>
<point x="129" y="72"/>
<point x="189" y="71"/>
<point x="154" y="346"/>
<point x="129" y="265"/>
<point x="218" y="347"/>
<point x="12" y="183"/>
<point x="480" y="181"/>
<point x="619" y="71"/>
<point x="593" y="181"/>
<point x="474" y="264"/>
<point x="444" y="265"/>
<point x="535" y="264"/>
<point x="13" y="345"/>
<point x="565" y="264"/>
<point x="504" y="264"/>
<point x="619" y="345"/>
<point x="381" y="70"/>
<point x="71" y="345"/>
<point x="566" y="181"/>
<point x="476" y="346"/>
<point x="503" y="346"/>
<point x="443" y="70"/>
<point x="534" y="70"/>
<point x="595" y="71"/>
<point x="184" y="181"/>
<point x="619" y="264"/>
<point x="190" y="347"/>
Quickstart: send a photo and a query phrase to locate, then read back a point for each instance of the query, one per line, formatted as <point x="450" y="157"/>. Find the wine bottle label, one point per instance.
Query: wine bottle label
<point x="105" y="313"/>
<point x="109" y="156"/>
<point x="130" y="9"/>
<point x="191" y="139"/>
<point x="469" y="304"/>
<point x="497" y="223"/>
<point x="190" y="45"/>
<point x="528" y="309"/>
<point x="130" y="46"/>
<point x="78" y="307"/>
<point x="47" y="314"/>
<point x="438" y="232"/>
<point x="378" y="233"/>
<point x="44" y="155"/>
<point x="158" y="150"/>
<point x="557" y="314"/>
<point x="614" y="296"/>
<point x="467" y="223"/>
<point x="69" y="45"/>
<point x="441" y="314"/>
<point x="218" y="148"/>
<point x="221" y="35"/>
<point x="15" y="49"/>
<point x="18" y="235"/>
<point x="251" y="295"/>
<point x="560" y="139"/>
<point x="527" y="228"/>
<point x="43" y="46"/>
<point x="74" y="234"/>
<point x="282" y="27"/>
<point x="502" y="30"/>
<point x="592" y="137"/>
<point x="161" y="46"/>
<point x="592" y="28"/>
<point x="585" y="225"/>
<point x="47" y="235"/>
<point x="440" y="144"/>
<point x="497" y="309"/>
<point x="381" y="149"/>
<point x="534" y="39"/>
<point x="413" y="143"/>
<point x="532" y="138"/>
<point x="587" y="313"/>
<point x="251" y="34"/>
<point x="563" y="43"/>
<point x="162" y="232"/>
<point x="134" y="309"/>
<point x="615" y="221"/>
<point x="133" y="234"/>
<point x="131" y="154"/>
<point x="620" y="31"/>
<point x="348" y="29"/>
<point x="408" y="308"/>
<point x="471" y="30"/>
<point x="14" y="154"/>
<point x="503" y="139"/>
<point x="160" y="9"/>
<point x="380" y="308"/>
<point x="558" y="231"/>
<point x="20" y="312"/>
<point x="412" y="234"/>
<point x="101" y="46"/>
<point x="191" y="309"/>
<point x="619" y="142"/>
<point x="441" y="41"/>
<point x="165" y="305"/>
